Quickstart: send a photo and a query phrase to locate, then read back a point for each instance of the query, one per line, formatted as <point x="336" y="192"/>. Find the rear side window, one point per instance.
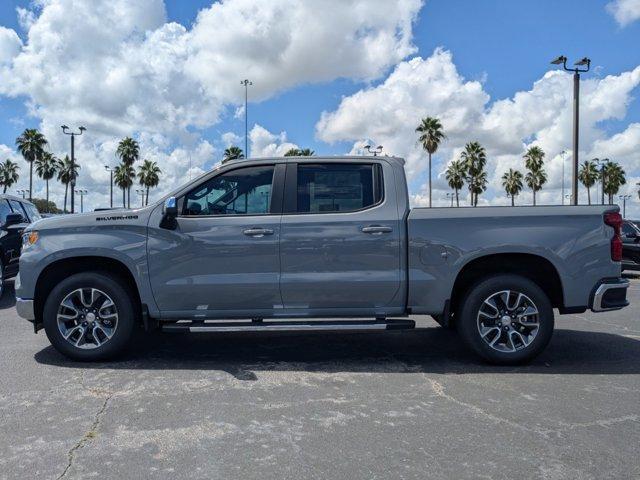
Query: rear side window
<point x="4" y="211"/>
<point x="338" y="187"/>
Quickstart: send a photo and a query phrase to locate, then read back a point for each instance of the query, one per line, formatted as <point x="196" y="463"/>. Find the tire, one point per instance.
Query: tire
<point x="93" y="332"/>
<point x="506" y="328"/>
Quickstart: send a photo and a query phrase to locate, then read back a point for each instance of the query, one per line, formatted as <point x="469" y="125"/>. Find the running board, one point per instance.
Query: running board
<point x="287" y="326"/>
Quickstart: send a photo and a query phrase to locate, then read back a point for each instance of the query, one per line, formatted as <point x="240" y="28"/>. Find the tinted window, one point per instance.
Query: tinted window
<point x="335" y="187"/>
<point x="4" y="211"/>
<point x="17" y="208"/>
<point x="244" y="191"/>
<point x="32" y="211"/>
<point x="627" y="228"/>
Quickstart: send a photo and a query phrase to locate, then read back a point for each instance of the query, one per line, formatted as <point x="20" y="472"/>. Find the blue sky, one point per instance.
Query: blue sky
<point x="504" y="45"/>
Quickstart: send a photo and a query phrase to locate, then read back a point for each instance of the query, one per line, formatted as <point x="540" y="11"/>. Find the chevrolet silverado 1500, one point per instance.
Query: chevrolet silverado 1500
<point x="316" y="243"/>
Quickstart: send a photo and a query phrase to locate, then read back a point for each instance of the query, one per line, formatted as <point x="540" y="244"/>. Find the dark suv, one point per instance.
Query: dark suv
<point x="15" y="215"/>
<point x="630" y="246"/>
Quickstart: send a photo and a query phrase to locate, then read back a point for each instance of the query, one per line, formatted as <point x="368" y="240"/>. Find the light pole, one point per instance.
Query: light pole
<point x="562" y="60"/>
<point x="23" y="192"/>
<point x="82" y="193"/>
<point x="451" y="196"/>
<point x="110" y="170"/>
<point x="624" y="204"/>
<point x="73" y="160"/>
<point x="246" y="84"/>
<point x="376" y="151"/>
<point x="562" y="155"/>
<point x="141" y="193"/>
<point x="569" y="197"/>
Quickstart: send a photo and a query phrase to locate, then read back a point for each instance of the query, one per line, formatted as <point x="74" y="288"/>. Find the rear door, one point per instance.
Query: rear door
<point x="340" y="239"/>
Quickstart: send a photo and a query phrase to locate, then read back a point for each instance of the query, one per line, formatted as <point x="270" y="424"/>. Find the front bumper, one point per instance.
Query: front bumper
<point x="610" y="294"/>
<point x="24" y="307"/>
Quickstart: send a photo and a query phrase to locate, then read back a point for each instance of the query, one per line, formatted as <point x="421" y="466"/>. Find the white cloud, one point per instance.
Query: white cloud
<point x="624" y="11"/>
<point x="389" y="113"/>
<point x="230" y="138"/>
<point x="10" y="45"/>
<point x="119" y="68"/>
<point x="266" y="144"/>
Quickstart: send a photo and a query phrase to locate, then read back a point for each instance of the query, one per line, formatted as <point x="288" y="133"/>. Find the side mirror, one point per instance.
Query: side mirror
<point x="169" y="214"/>
<point x="14" y="219"/>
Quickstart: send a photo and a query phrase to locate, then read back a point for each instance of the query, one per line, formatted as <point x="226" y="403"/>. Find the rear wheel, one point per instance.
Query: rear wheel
<point x="89" y="316"/>
<point x="506" y="319"/>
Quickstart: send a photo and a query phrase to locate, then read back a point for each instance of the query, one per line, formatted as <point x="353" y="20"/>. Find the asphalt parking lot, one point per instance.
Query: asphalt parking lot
<point x="411" y="404"/>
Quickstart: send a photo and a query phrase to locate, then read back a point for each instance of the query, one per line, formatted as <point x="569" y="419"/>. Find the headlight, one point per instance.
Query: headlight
<point x="29" y="238"/>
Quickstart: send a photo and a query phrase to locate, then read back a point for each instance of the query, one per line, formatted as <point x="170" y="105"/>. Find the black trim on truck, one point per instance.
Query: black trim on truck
<point x="609" y="294"/>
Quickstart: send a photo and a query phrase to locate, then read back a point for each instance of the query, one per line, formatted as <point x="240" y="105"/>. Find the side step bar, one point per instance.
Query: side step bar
<point x="287" y="326"/>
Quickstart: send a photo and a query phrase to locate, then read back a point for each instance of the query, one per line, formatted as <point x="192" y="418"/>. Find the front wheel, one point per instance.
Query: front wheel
<point x="89" y="316"/>
<point x="506" y="319"/>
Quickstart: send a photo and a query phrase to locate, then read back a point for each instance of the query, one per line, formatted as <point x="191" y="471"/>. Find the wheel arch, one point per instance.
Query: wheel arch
<point x="63" y="268"/>
<point x="534" y="267"/>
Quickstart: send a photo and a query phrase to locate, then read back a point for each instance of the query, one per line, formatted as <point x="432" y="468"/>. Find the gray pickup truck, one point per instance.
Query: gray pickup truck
<point x="316" y="243"/>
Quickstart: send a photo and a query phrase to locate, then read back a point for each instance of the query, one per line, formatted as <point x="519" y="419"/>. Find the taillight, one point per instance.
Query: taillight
<point x="614" y="219"/>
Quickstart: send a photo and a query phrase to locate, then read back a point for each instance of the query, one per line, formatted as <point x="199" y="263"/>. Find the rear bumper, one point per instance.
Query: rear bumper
<point x="610" y="294"/>
<point x="24" y="307"/>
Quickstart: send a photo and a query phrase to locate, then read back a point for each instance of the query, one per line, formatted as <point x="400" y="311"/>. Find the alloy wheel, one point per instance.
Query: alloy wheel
<point x="87" y="318"/>
<point x="508" y="321"/>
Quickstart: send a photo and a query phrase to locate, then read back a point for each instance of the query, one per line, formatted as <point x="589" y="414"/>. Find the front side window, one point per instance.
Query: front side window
<point x="4" y="211"/>
<point x="335" y="187"/>
<point x="244" y="191"/>
<point x="17" y="208"/>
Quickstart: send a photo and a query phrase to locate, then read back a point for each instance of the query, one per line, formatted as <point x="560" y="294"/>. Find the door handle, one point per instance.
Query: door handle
<point x="257" y="232"/>
<point x="376" y="229"/>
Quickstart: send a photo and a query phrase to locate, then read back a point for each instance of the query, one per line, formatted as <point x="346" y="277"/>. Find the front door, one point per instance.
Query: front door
<point x="222" y="259"/>
<point x="340" y="239"/>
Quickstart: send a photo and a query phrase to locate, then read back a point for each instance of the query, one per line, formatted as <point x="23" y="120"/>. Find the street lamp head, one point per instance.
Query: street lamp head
<point x="64" y="128"/>
<point x="82" y="129"/>
<point x="584" y="61"/>
<point x="560" y="60"/>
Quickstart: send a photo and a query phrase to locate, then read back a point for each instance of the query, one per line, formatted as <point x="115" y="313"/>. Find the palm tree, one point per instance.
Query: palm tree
<point x="299" y="152"/>
<point x="512" y="183"/>
<point x="31" y="146"/>
<point x="614" y="178"/>
<point x="66" y="175"/>
<point x="474" y="159"/>
<point x="46" y="168"/>
<point x="8" y="174"/>
<point x="588" y="175"/>
<point x="232" y="153"/>
<point x="455" y="174"/>
<point x="479" y="186"/>
<point x="536" y="177"/>
<point x="123" y="176"/>
<point x="128" y="151"/>
<point x="149" y="176"/>
<point x="430" y="130"/>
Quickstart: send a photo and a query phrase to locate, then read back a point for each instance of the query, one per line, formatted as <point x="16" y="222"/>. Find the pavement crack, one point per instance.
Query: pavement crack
<point x="93" y="430"/>
<point x="439" y="390"/>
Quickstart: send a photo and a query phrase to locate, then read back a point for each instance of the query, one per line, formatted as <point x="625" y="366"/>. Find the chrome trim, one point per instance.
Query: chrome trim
<point x="604" y="288"/>
<point x="24" y="307"/>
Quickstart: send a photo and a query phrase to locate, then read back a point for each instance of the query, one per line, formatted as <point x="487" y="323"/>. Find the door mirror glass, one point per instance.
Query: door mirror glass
<point x="170" y="208"/>
<point x="14" y="219"/>
<point x="169" y="214"/>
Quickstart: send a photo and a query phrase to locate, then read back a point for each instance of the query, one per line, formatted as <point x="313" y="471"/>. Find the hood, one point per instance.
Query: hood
<point x="121" y="216"/>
